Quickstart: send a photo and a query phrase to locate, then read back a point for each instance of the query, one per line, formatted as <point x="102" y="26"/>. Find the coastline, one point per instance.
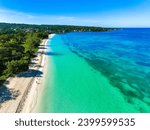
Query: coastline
<point x="26" y="86"/>
<point x="72" y="83"/>
<point x="41" y="88"/>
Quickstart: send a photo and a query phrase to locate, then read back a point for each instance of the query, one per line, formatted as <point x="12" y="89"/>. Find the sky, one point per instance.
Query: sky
<point x="105" y="13"/>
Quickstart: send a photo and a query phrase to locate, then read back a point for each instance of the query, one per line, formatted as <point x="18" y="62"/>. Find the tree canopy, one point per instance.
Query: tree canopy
<point x="19" y="43"/>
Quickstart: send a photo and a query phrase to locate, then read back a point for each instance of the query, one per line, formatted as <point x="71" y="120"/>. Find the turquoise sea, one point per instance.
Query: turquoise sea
<point x="98" y="72"/>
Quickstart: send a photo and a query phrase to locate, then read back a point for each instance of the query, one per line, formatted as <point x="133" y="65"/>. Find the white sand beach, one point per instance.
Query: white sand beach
<point x="27" y="85"/>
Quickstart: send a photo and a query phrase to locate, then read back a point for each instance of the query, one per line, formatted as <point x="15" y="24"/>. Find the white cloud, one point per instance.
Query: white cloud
<point x="14" y="16"/>
<point x="113" y="19"/>
<point x="11" y="16"/>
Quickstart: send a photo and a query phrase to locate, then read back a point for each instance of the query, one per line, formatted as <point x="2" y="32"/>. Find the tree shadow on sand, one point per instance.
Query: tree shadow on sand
<point x="42" y="47"/>
<point x="30" y="73"/>
<point x="51" y="53"/>
<point x="7" y="94"/>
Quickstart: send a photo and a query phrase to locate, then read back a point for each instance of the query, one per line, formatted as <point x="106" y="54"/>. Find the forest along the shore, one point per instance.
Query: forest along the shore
<point x="19" y="45"/>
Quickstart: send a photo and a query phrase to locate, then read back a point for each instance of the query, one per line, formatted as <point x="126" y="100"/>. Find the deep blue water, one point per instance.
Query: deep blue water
<point x="122" y="56"/>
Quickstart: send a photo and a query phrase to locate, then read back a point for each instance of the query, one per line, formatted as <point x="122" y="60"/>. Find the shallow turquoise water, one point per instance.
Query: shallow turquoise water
<point x="98" y="72"/>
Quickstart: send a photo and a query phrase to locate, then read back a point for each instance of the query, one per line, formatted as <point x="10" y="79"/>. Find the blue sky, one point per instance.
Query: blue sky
<point x="107" y="13"/>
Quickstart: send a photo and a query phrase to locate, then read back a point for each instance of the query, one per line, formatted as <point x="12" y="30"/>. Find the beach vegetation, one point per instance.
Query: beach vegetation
<point x="19" y="43"/>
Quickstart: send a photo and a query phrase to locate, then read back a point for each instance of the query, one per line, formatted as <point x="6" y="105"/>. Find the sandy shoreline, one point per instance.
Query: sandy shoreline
<point x="26" y="86"/>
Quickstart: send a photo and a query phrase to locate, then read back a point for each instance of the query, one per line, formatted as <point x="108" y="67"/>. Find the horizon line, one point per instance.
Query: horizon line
<point x="67" y="25"/>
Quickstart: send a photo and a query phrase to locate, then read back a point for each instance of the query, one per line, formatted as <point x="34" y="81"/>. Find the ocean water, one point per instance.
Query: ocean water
<point x="98" y="72"/>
